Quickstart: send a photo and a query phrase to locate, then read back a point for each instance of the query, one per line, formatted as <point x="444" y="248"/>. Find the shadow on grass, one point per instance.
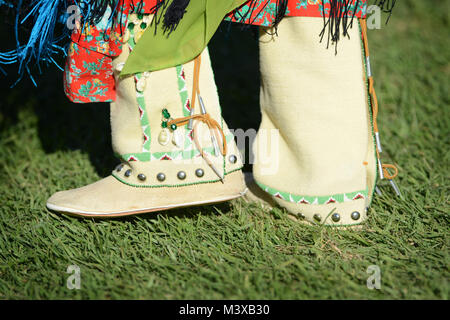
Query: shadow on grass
<point x="63" y="125"/>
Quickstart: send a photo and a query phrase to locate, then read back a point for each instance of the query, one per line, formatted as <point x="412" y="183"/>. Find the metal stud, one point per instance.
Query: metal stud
<point x="161" y="176"/>
<point x="336" y="217"/>
<point x="232" y="158"/>
<point x="128" y="173"/>
<point x="199" y="173"/>
<point x="355" y="215"/>
<point x="141" y="177"/>
<point x="181" y="175"/>
<point x="119" y="167"/>
<point x="317" y="217"/>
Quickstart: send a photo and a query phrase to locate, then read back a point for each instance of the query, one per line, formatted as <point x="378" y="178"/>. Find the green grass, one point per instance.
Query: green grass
<point x="236" y="250"/>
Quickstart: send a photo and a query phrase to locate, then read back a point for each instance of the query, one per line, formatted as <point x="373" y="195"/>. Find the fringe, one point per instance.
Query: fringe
<point x="246" y="18"/>
<point x="40" y="19"/>
<point x="173" y="15"/>
<point x="6" y="4"/>
<point x="339" y="16"/>
<point x="169" y="12"/>
<point x="93" y="11"/>
<point x="387" y="6"/>
<point x="281" y="8"/>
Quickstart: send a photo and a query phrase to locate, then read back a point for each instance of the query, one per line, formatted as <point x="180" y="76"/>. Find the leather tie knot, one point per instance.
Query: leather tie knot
<point x="212" y="124"/>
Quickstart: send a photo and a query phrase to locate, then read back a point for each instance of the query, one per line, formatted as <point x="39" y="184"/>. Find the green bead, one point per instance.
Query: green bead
<point x="166" y="113"/>
<point x="164" y="124"/>
<point x="131" y="26"/>
<point x="140" y="16"/>
<point x="173" y="127"/>
<point x="143" y="25"/>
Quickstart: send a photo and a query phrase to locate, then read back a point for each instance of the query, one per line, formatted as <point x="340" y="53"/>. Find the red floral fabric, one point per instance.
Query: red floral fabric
<point x="88" y="75"/>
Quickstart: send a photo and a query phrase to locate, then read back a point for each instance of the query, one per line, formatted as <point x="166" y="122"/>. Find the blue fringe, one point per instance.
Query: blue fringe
<point x="44" y="16"/>
<point x="43" y="44"/>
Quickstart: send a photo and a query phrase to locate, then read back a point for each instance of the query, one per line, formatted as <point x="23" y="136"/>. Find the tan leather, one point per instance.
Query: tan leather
<point x="317" y="102"/>
<point x="111" y="198"/>
<point x="161" y="92"/>
<point x="134" y="187"/>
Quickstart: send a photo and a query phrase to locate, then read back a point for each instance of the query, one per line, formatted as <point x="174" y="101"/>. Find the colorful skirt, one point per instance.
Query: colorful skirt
<point x="88" y="71"/>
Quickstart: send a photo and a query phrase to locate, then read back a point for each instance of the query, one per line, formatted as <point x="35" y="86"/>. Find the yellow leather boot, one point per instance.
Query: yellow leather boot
<point x="315" y="152"/>
<point x="176" y="149"/>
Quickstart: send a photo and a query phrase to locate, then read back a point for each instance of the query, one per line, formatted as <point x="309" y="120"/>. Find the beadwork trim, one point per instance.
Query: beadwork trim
<point x="143" y="114"/>
<point x="316" y="200"/>
<point x="189" y="150"/>
<point x="173" y="185"/>
<point x="186" y="104"/>
<point x="171" y="155"/>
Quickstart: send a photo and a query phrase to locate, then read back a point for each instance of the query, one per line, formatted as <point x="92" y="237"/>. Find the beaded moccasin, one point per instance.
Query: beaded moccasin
<point x="176" y="149"/>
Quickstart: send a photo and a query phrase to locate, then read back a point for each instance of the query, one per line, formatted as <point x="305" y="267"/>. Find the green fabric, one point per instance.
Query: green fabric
<point x="200" y="22"/>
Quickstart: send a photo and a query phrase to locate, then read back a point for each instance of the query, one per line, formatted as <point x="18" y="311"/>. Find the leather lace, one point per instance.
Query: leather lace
<point x="373" y="97"/>
<point x="214" y="127"/>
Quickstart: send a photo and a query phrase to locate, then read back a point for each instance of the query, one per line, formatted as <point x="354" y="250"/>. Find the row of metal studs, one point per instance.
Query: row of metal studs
<point x="160" y="176"/>
<point x="336" y="217"/>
